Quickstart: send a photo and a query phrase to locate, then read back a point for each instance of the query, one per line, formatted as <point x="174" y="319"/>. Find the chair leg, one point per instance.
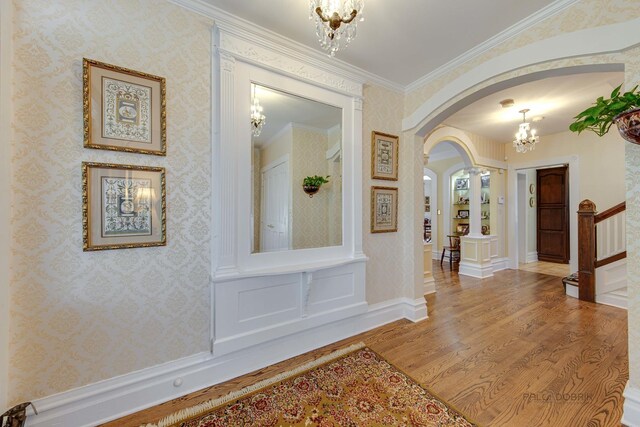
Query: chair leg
<point x="442" y="257"/>
<point x="450" y="259"/>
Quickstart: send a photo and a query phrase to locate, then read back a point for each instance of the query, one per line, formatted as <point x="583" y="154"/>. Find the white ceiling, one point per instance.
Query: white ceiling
<point x="557" y="99"/>
<point x="403" y="41"/>
<point x="399" y="40"/>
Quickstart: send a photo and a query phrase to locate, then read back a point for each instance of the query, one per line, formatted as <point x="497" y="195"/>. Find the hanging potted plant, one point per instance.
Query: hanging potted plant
<point x="623" y="109"/>
<point x="311" y="184"/>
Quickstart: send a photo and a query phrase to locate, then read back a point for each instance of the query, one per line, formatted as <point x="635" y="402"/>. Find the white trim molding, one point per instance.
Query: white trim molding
<point x="592" y="41"/>
<point x="262" y="37"/>
<point x="6" y="138"/>
<point x="631" y="409"/>
<point x="94" y="404"/>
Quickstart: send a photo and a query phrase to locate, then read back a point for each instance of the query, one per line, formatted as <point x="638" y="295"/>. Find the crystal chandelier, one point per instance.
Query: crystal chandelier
<point x="257" y="118"/>
<point x="329" y="16"/>
<point x="526" y="138"/>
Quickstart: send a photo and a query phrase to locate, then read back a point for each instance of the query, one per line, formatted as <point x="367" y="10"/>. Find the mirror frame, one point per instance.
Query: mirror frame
<point x="232" y="172"/>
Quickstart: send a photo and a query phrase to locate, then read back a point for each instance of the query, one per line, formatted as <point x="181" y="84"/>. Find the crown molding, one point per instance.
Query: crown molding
<point x="258" y="35"/>
<point x="517" y="28"/>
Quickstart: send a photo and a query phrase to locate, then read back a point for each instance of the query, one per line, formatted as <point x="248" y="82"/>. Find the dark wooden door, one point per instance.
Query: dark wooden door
<point x="553" y="214"/>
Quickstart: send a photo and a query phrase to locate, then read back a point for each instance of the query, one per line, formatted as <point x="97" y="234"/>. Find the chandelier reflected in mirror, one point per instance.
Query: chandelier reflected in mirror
<point x="336" y="22"/>
<point x="526" y="138"/>
<point x="257" y="118"/>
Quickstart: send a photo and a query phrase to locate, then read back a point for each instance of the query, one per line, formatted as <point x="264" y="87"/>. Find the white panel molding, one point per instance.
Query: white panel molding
<point x="592" y="41"/>
<point x="501" y="37"/>
<point x="631" y="408"/>
<point x="94" y="404"/>
<point x="572" y="291"/>
<point x="262" y="37"/>
<point x="6" y="138"/>
<point x="475" y="256"/>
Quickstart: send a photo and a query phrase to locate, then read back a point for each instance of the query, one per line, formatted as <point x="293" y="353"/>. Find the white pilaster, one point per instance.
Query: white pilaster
<point x="475" y="211"/>
<point x="357" y="165"/>
<point x="6" y="136"/>
<point x="226" y="185"/>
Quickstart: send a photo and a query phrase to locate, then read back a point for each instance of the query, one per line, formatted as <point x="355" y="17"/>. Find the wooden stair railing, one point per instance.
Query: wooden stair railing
<point x="588" y="218"/>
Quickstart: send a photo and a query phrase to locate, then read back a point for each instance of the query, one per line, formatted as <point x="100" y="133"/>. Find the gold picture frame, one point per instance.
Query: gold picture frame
<point x="123" y="109"/>
<point x="384" y="156"/>
<point x="384" y="209"/>
<point x="123" y="206"/>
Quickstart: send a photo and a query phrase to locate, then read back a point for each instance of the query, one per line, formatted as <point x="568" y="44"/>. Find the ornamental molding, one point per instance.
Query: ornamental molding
<point x="272" y="57"/>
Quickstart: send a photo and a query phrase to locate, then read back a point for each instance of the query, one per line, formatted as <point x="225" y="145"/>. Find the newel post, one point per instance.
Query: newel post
<point x="587" y="251"/>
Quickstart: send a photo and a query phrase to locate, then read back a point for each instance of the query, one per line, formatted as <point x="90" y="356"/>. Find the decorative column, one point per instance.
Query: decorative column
<point x="475" y="250"/>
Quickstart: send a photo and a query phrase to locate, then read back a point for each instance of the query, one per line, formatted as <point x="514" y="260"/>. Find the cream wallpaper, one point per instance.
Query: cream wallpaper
<point x="600" y="162"/>
<point x="382" y="112"/>
<point x="310" y="215"/>
<point x="78" y="317"/>
<point x="632" y="159"/>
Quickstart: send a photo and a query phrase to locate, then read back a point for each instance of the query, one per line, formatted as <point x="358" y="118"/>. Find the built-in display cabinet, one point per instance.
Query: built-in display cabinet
<point x="460" y="203"/>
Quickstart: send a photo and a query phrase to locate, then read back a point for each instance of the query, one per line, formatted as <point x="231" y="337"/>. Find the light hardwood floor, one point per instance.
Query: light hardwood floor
<point x="511" y="350"/>
<point x="550" y="268"/>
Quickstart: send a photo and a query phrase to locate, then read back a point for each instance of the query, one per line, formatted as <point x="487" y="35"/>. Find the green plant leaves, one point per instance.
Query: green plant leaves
<point x="599" y="117"/>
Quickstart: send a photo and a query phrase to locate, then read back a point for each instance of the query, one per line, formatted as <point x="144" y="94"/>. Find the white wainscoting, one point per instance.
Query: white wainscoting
<point x="253" y="310"/>
<point x="611" y="284"/>
<point x="116" y="397"/>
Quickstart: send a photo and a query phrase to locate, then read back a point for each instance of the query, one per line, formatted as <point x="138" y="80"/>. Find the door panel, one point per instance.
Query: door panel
<point x="274" y="224"/>
<point x="553" y="214"/>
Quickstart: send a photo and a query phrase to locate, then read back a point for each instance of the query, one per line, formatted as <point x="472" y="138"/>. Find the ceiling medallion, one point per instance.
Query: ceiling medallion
<point x="336" y="22"/>
<point x="526" y="138"/>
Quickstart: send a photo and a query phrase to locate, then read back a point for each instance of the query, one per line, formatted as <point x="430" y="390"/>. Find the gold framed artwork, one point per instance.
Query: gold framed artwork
<point x="123" y="206"/>
<point x="384" y="209"/>
<point x="384" y="156"/>
<point x="124" y="110"/>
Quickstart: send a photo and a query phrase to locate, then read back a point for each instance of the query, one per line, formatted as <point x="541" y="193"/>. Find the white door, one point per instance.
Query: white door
<point x="274" y="222"/>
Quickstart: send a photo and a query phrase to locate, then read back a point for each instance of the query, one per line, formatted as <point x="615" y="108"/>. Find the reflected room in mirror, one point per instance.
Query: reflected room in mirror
<point x="294" y="138"/>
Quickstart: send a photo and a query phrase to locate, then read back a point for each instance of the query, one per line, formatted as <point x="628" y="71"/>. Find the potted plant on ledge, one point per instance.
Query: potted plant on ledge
<point x="623" y="109"/>
<point x="311" y="184"/>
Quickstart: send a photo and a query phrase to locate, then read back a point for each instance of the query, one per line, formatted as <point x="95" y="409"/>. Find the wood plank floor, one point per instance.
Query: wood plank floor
<point x="550" y="268"/>
<point x="511" y="350"/>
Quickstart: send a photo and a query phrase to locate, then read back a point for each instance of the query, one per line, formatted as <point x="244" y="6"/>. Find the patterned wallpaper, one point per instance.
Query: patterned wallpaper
<point x="632" y="159"/>
<point x="382" y="112"/>
<point x="310" y="215"/>
<point x="79" y="317"/>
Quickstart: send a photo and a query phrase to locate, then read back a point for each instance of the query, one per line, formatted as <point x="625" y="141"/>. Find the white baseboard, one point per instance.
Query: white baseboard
<point x="499" y="264"/>
<point x="475" y="270"/>
<point x="119" y="396"/>
<point x="415" y="310"/>
<point x="531" y="257"/>
<point x="572" y="291"/>
<point x="631" y="408"/>
<point x="429" y="285"/>
<point x="612" y="299"/>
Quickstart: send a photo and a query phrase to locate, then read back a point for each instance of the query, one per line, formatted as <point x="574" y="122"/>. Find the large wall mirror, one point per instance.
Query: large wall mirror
<point x="293" y="138"/>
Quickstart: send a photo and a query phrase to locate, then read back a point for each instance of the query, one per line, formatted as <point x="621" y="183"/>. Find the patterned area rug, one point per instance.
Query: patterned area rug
<point x="352" y="387"/>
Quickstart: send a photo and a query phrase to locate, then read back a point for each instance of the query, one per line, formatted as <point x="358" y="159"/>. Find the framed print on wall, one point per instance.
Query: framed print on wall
<point x="384" y="156"/>
<point x="124" y="110"/>
<point x="384" y="209"/>
<point x="123" y="206"/>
